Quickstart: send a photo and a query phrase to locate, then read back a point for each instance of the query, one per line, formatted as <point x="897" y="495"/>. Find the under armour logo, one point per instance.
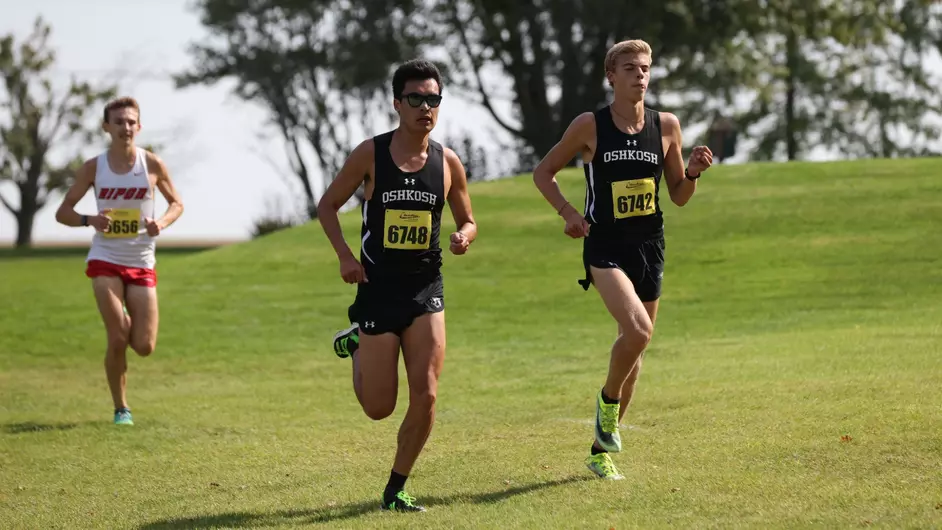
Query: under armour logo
<point x="410" y="181"/>
<point x="369" y="324"/>
<point x="436" y="302"/>
<point x="633" y="142"/>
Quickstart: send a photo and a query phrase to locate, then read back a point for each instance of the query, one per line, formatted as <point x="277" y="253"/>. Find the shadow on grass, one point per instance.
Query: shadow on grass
<point x="82" y="251"/>
<point x="329" y="514"/>
<point x="29" y="427"/>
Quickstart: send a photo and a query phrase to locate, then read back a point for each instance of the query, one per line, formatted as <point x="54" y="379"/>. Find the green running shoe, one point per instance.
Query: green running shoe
<point x="347" y="341"/>
<point x="402" y="502"/>
<point x="606" y="425"/>
<point x="602" y="465"/>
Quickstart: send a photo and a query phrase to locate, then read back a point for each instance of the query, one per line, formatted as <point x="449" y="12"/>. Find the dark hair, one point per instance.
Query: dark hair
<point x="120" y="103"/>
<point x="415" y="70"/>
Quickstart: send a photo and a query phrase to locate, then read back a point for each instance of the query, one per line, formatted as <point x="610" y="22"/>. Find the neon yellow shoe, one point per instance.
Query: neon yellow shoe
<point x="401" y="502"/>
<point x="602" y="465"/>
<point x="606" y="425"/>
<point x="347" y="341"/>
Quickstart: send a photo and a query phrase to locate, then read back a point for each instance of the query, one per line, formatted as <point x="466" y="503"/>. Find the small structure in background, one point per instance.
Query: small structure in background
<point x="721" y="137"/>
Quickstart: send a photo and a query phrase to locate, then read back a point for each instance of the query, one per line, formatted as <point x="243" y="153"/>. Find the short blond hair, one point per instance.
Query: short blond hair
<point x="623" y="47"/>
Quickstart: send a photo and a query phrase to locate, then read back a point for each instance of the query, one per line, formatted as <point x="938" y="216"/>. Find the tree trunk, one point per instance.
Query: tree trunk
<point x="30" y="202"/>
<point x="24" y="228"/>
<point x="791" y="135"/>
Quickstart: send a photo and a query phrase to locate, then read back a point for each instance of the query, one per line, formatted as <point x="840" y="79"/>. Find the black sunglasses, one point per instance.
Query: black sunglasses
<point x="416" y="99"/>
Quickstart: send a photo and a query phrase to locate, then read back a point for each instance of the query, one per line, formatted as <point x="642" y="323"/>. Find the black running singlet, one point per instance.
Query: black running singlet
<point x="623" y="180"/>
<point x="402" y="219"/>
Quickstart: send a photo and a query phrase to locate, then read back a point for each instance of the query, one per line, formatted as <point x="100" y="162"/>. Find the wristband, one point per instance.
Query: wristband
<point x="688" y="177"/>
<point x="84" y="220"/>
<point x="561" y="208"/>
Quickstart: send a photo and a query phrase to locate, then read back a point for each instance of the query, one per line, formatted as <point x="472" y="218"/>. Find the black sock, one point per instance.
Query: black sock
<point x="121" y="409"/>
<point x="396" y="483"/>
<point x="607" y="400"/>
<point x="596" y="450"/>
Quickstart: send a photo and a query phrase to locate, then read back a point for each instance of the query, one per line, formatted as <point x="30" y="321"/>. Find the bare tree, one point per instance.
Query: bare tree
<point x="35" y="119"/>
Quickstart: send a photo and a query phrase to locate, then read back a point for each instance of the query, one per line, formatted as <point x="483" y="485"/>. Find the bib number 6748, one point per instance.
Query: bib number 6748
<point x="408" y="229"/>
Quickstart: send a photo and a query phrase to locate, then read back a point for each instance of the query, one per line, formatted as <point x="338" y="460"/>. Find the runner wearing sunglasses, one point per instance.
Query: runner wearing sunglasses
<point x="400" y="301"/>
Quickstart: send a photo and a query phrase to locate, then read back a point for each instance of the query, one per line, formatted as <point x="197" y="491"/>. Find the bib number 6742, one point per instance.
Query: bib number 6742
<point x="632" y="198"/>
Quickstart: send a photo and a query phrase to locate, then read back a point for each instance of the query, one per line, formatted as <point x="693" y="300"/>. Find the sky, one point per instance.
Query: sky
<point x="211" y="137"/>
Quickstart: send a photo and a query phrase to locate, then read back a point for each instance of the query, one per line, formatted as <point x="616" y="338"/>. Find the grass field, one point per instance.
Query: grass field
<point x="794" y="379"/>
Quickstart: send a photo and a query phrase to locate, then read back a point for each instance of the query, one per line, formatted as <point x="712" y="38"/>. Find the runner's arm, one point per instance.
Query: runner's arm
<point x="458" y="198"/>
<point x="168" y="190"/>
<point x="84" y="179"/>
<point x="679" y="187"/>
<point x="573" y="142"/>
<point x="354" y="170"/>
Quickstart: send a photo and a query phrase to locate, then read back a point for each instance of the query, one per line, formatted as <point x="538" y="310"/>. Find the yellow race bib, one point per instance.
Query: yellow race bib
<point x="408" y="229"/>
<point x="124" y="224"/>
<point x="632" y="198"/>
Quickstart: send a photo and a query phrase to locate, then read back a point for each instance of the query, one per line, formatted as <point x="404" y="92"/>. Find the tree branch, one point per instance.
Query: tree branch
<point x="9" y="206"/>
<point x="476" y="68"/>
<point x="287" y="177"/>
<point x="60" y="113"/>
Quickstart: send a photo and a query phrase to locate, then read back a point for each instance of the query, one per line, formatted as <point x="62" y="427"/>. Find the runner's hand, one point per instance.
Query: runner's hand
<point x="701" y="158"/>
<point x="352" y="271"/>
<point x="101" y="221"/>
<point x="153" y="229"/>
<point x="576" y="225"/>
<point x="459" y="243"/>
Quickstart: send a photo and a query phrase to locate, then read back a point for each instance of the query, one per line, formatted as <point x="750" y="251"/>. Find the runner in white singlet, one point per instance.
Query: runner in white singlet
<point x="129" y="198"/>
<point x="121" y="261"/>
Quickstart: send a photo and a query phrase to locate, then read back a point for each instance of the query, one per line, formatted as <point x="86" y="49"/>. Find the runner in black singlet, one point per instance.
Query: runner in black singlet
<point x="400" y="295"/>
<point x="625" y="148"/>
<point x="626" y="227"/>
<point x="400" y="252"/>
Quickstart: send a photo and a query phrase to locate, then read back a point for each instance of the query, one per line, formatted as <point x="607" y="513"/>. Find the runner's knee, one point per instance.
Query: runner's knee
<point x="143" y="347"/>
<point x="379" y="409"/>
<point x="118" y="338"/>
<point x="117" y="346"/>
<point x="637" y="331"/>
<point x="423" y="399"/>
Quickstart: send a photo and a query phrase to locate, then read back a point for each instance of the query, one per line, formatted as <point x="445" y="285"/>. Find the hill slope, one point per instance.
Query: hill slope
<point x="802" y="303"/>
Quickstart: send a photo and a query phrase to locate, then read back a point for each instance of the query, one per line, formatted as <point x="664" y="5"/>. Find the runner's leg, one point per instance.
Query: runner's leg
<point x="376" y="374"/>
<point x="109" y="295"/>
<point x="423" y="346"/>
<point x="142" y="307"/>
<point x="618" y="294"/>
<point x="628" y="389"/>
<point x="635" y="328"/>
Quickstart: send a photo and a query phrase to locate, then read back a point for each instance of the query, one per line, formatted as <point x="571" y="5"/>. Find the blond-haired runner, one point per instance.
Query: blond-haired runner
<point x="121" y="261"/>
<point x="625" y="148"/>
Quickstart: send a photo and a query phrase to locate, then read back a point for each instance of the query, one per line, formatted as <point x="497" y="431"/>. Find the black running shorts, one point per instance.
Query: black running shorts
<point x="642" y="262"/>
<point x="392" y="306"/>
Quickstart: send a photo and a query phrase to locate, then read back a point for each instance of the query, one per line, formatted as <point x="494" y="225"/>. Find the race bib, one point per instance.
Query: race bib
<point x="632" y="198"/>
<point x="408" y="229"/>
<point x="125" y="223"/>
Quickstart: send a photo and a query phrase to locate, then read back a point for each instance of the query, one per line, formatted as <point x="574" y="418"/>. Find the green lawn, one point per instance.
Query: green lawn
<point x="793" y="381"/>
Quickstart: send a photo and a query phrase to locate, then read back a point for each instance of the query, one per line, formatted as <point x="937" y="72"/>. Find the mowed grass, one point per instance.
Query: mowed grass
<point x="793" y="381"/>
